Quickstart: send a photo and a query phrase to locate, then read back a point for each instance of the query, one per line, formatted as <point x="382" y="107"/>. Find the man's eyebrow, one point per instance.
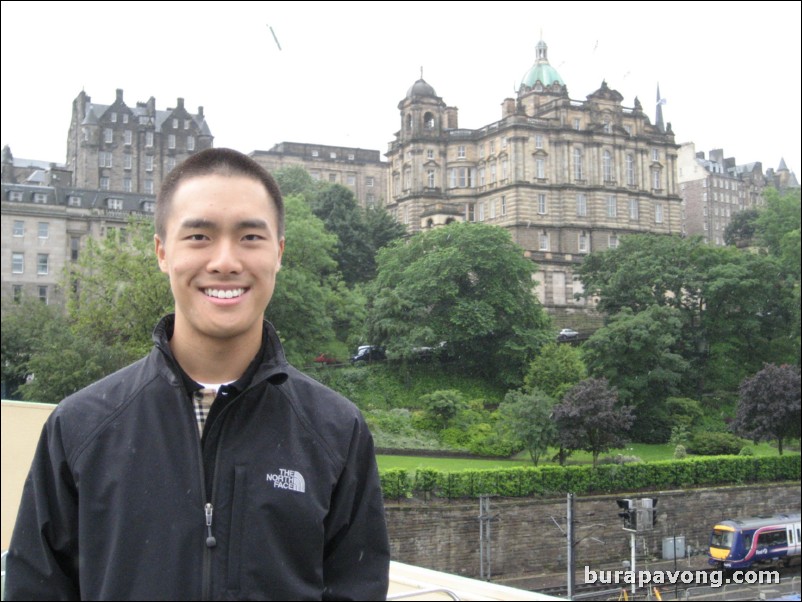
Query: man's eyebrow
<point x="205" y="224"/>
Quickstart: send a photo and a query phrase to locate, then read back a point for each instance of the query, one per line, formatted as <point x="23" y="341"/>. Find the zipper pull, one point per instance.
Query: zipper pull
<point x="210" y="540"/>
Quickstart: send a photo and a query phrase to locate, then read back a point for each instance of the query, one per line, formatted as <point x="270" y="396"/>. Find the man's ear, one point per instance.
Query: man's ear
<point x="160" y="253"/>
<point x="280" y="253"/>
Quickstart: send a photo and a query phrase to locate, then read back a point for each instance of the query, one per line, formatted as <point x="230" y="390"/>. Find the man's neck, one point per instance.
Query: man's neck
<point x="214" y="360"/>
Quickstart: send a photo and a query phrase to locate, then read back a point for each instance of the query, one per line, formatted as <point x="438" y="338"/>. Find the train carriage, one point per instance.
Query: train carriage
<point x="742" y="544"/>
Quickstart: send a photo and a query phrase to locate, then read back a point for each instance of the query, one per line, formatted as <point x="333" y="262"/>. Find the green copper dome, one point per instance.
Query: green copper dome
<point x="541" y="71"/>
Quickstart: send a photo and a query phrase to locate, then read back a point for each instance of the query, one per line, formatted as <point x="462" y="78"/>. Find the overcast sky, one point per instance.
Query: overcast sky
<point x="336" y="71"/>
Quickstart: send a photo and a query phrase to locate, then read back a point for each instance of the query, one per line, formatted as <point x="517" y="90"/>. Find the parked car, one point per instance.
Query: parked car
<point x="368" y="353"/>
<point x="567" y="334"/>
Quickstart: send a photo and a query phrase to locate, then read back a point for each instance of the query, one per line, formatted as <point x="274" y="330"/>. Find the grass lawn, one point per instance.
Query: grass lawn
<point x="644" y="451"/>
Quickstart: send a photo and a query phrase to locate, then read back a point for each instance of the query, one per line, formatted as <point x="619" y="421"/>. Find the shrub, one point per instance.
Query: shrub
<point x="747" y="450"/>
<point x="679" y="452"/>
<point x="714" y="444"/>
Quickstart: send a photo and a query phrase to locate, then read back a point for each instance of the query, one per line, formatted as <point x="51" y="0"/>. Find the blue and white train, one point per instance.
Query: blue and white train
<point x="742" y="544"/>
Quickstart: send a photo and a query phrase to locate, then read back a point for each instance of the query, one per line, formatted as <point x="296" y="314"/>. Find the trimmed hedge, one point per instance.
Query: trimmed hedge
<point x="611" y="478"/>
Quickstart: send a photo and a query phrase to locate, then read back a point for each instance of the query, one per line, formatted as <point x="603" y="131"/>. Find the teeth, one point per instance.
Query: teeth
<point x="223" y="294"/>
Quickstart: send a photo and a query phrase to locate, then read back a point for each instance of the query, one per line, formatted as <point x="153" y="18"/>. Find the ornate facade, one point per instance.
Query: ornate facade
<point x="565" y="177"/>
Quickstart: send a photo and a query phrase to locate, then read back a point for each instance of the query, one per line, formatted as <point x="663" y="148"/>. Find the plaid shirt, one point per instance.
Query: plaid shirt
<point x="203" y="400"/>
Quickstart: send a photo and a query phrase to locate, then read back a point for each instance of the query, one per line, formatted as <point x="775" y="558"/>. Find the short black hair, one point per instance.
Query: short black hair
<point x="221" y="161"/>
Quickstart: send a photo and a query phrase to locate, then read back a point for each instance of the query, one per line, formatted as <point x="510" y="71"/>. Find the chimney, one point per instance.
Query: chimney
<point x="180" y="103"/>
<point x="119" y="94"/>
<point x="200" y="111"/>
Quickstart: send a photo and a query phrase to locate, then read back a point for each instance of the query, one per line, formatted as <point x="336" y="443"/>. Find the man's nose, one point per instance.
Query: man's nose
<point x="225" y="258"/>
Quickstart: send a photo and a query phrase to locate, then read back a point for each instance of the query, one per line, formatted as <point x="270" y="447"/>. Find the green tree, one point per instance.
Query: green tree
<point x="741" y="229"/>
<point x="383" y="228"/>
<point x="341" y="214"/>
<point x="590" y="418"/>
<point x="556" y="369"/>
<point x="526" y="416"/>
<point x="310" y="303"/>
<point x="295" y="180"/>
<point x="769" y="405"/>
<point x="26" y="325"/>
<point x="466" y="284"/>
<point x="116" y="292"/>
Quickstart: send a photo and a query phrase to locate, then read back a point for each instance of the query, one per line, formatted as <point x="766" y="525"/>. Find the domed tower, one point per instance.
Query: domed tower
<point x="541" y="83"/>
<point x="423" y="113"/>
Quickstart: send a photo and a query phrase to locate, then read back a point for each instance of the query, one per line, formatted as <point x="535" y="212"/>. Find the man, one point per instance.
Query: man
<point x="210" y="469"/>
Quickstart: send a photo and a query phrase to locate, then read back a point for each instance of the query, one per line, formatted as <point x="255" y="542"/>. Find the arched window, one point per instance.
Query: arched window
<point x="428" y="121"/>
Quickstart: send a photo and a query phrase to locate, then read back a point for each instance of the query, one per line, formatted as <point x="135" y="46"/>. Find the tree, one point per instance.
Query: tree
<point x="590" y="418"/>
<point x="383" y="228"/>
<point x="341" y="214"/>
<point x="556" y="369"/>
<point x="464" y="284"/>
<point x="295" y="180"/>
<point x="741" y="229"/>
<point x="769" y="405"/>
<point x="527" y="417"/>
<point x="310" y="305"/>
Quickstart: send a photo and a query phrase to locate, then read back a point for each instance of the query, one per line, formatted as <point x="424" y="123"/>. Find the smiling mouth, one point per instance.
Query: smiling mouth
<point x="218" y="293"/>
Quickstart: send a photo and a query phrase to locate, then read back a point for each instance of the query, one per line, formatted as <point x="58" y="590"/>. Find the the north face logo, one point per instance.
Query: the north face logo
<point x="288" y="479"/>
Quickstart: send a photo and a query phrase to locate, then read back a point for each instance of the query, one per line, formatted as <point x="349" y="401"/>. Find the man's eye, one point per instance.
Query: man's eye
<point x="253" y="237"/>
<point x="196" y="237"/>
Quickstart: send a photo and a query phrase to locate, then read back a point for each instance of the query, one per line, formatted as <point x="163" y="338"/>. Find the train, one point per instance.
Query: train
<point x="752" y="542"/>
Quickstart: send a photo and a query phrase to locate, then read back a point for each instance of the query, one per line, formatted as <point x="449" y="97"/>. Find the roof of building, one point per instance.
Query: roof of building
<point x="541" y="71"/>
<point x="421" y="88"/>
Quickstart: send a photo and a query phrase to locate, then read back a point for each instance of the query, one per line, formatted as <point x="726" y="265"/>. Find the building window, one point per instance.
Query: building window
<point x="460" y="152"/>
<point x="577" y="123"/>
<point x="125" y="117"/>
<point x="332" y="177"/>
<point x="114" y="117"/>
<point x="15" y="195"/>
<point x="658" y="213"/>
<point x="17" y="263"/>
<point x="149" y="139"/>
<point x="128" y="161"/>
<point x="104" y="183"/>
<point x="656" y="179"/>
<point x="351" y="179"/>
<point x="538" y="140"/>
<point x="540" y="168"/>
<point x="315" y="153"/>
<point x="170" y="164"/>
<point x="148" y="162"/>
<point x="492" y="147"/>
<point x="544" y="241"/>
<point x="108" y="135"/>
<point x="148" y="206"/>
<point x="430" y="178"/>
<point x="493" y="209"/>
<point x="578" y="173"/>
<point x="175" y="123"/>
<point x="127" y="185"/>
<point x="370" y="181"/>
<point x="74" y="201"/>
<point x="504" y="170"/>
<point x="114" y="204"/>
<point x="630" y="170"/>
<point x="481" y="212"/>
<point x="190" y="143"/>
<point x="583" y="242"/>
<point x="607" y="166"/>
<point x="75" y="247"/>
<point x="351" y="156"/>
<point x="469" y="212"/>
<point x="171" y="141"/>
<point x="104" y="159"/>
<point x="633" y="209"/>
<point x="493" y="173"/>
<point x="19" y="228"/>
<point x="129" y="137"/>
<point x="44" y="228"/>
<point x="541" y="204"/>
<point x="148" y="186"/>
<point x="17" y="288"/>
<point x="612" y="241"/>
<point x="186" y="124"/>
<point x="612" y="206"/>
<point x="655" y="154"/>
<point x="503" y="205"/>
<point x="40" y="198"/>
<point x="332" y="155"/>
<point x="581" y="205"/>
<point x="43" y="294"/>
<point x="429" y="154"/>
<point x="41" y="264"/>
<point x="608" y="129"/>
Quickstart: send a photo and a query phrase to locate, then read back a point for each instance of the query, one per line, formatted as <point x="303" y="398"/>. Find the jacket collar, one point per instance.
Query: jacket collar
<point x="272" y="365"/>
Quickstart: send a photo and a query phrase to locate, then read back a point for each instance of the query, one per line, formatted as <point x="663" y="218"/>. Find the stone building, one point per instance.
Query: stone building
<point x="45" y="227"/>
<point x="565" y="177"/>
<point x="360" y="170"/>
<point x="130" y="149"/>
<point x="715" y="188"/>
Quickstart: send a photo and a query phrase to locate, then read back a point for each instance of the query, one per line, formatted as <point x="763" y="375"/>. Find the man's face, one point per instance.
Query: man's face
<point x="221" y="252"/>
